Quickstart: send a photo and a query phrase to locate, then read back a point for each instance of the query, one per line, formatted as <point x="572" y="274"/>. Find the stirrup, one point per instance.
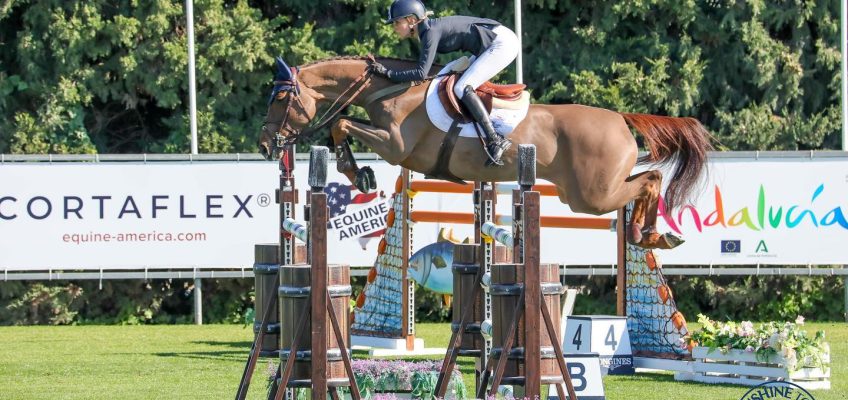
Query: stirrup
<point x="495" y="151"/>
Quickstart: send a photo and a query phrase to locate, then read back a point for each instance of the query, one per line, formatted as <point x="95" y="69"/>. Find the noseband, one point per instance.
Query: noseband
<point x="286" y="135"/>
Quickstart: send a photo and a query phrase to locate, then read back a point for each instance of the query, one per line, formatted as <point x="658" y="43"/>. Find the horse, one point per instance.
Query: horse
<point x="588" y="153"/>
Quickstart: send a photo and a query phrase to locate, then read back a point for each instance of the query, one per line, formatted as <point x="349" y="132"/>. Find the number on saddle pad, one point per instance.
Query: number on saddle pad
<point x="605" y="335"/>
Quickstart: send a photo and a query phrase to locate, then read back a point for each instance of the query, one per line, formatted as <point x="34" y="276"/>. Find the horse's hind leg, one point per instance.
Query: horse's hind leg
<point x="643" y="221"/>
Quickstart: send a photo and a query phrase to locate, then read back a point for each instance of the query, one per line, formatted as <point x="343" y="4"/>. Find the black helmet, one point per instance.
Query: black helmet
<point x="404" y="8"/>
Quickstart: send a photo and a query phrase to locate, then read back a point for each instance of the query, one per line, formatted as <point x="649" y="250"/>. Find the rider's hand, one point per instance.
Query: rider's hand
<point x="379" y="69"/>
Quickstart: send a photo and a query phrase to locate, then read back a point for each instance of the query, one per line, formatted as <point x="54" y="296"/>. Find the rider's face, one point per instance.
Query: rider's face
<point x="403" y="27"/>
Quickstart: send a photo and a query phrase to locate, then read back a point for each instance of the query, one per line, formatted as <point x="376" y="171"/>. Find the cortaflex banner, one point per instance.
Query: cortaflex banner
<point x="134" y="215"/>
<point x="158" y="215"/>
<point x="127" y="215"/>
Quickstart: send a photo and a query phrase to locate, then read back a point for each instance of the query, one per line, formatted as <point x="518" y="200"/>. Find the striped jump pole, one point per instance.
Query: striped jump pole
<point x="497" y="233"/>
<point x="296" y="229"/>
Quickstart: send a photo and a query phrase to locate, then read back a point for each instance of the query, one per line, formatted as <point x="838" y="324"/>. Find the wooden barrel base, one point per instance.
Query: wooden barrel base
<point x="465" y="269"/>
<point x="265" y="269"/>
<point x="507" y="284"/>
<point x="294" y="293"/>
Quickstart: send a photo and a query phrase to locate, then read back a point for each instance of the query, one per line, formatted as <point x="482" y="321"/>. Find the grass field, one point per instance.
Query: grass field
<point x="206" y="362"/>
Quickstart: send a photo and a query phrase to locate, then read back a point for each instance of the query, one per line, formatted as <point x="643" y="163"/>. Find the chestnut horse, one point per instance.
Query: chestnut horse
<point x="588" y="153"/>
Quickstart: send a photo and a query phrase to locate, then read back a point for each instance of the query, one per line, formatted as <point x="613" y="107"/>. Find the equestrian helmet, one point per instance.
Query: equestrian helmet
<point x="404" y="8"/>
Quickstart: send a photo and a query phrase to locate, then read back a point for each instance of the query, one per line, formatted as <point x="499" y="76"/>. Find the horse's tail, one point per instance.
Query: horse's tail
<point x="682" y="141"/>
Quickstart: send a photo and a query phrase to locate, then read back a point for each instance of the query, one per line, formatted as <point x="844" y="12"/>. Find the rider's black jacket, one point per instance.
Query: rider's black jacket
<point x="444" y="35"/>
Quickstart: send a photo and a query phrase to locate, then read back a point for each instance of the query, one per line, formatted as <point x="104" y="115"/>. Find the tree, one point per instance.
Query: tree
<point x="83" y="77"/>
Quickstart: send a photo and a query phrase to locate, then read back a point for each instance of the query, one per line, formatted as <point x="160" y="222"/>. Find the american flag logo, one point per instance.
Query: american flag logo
<point x="340" y="197"/>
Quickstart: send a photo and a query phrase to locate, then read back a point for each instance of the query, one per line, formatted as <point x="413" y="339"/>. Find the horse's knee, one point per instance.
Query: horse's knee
<point x="340" y="129"/>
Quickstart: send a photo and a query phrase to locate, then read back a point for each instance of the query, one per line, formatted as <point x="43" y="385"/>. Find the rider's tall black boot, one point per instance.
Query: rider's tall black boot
<point x="495" y="144"/>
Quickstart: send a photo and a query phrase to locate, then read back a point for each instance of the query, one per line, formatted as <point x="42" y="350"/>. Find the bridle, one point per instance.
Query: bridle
<point x="286" y="135"/>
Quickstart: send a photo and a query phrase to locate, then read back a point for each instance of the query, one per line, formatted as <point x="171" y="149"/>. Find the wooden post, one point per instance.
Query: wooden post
<point x="532" y="281"/>
<point x="318" y="261"/>
<point x="533" y="296"/>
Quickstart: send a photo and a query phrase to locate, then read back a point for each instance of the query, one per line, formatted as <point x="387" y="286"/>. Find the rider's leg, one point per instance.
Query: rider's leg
<point x="496" y="57"/>
<point x="495" y="144"/>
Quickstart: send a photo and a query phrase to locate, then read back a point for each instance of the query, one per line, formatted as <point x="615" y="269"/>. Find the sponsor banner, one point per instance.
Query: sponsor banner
<point x="769" y="211"/>
<point x="366" y="220"/>
<point x="210" y="215"/>
<point x="165" y="214"/>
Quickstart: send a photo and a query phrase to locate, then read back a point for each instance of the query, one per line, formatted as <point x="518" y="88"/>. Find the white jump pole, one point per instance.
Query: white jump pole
<point x="843" y="40"/>
<point x="519" y="70"/>
<point x="192" y="111"/>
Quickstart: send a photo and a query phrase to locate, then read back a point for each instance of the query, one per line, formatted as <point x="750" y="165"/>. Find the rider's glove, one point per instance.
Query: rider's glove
<point x="380" y="69"/>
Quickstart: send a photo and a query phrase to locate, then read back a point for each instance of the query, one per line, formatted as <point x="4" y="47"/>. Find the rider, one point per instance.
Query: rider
<point x="494" y="45"/>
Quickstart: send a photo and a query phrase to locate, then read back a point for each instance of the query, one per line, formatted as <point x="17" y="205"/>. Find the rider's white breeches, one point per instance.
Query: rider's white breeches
<point x="499" y="55"/>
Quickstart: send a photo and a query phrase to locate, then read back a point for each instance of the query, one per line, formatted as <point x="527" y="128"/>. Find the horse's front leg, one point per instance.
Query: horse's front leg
<point x="345" y="162"/>
<point x="362" y="178"/>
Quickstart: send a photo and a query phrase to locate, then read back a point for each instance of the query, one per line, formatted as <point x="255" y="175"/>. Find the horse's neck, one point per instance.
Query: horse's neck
<point x="332" y="79"/>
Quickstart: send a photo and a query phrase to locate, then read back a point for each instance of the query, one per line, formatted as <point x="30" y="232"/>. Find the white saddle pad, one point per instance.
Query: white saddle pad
<point x="503" y="119"/>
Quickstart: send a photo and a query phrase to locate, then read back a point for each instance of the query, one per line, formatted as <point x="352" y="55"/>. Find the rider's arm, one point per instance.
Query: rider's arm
<point x="429" y="44"/>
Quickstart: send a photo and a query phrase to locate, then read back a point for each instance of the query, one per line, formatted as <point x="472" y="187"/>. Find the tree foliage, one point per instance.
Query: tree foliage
<point x="111" y="76"/>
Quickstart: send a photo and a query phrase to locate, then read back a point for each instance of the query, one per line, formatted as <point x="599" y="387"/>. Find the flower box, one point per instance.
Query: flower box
<point x="398" y="379"/>
<point x="745" y="368"/>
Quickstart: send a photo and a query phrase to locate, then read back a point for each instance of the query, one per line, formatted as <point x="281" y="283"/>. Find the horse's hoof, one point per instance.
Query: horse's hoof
<point x="365" y="180"/>
<point x="654" y="240"/>
<point x="671" y="240"/>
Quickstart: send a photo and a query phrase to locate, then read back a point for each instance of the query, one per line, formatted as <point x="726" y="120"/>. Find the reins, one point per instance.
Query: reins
<point x="354" y="90"/>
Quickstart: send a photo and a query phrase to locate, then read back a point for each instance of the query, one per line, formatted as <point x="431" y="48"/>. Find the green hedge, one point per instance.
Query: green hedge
<point x="231" y="300"/>
<point x="735" y="298"/>
<point x="158" y="301"/>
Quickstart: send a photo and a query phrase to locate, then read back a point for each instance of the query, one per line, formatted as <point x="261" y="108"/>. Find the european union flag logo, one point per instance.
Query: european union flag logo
<point x="731" y="246"/>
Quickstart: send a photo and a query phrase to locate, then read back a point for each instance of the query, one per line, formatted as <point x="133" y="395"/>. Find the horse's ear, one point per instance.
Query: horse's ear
<point x="283" y="71"/>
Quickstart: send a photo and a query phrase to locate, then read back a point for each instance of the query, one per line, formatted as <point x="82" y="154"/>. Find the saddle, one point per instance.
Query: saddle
<point x="490" y="93"/>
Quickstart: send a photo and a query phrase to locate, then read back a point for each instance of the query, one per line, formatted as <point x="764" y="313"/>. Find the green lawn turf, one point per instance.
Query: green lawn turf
<point x="206" y="362"/>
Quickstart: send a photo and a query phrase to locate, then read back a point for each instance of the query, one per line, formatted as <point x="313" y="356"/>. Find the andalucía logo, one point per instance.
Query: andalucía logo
<point x="775" y="390"/>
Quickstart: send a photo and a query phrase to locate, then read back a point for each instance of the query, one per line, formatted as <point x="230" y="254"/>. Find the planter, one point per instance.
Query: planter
<point x="398" y="379"/>
<point x="743" y="368"/>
